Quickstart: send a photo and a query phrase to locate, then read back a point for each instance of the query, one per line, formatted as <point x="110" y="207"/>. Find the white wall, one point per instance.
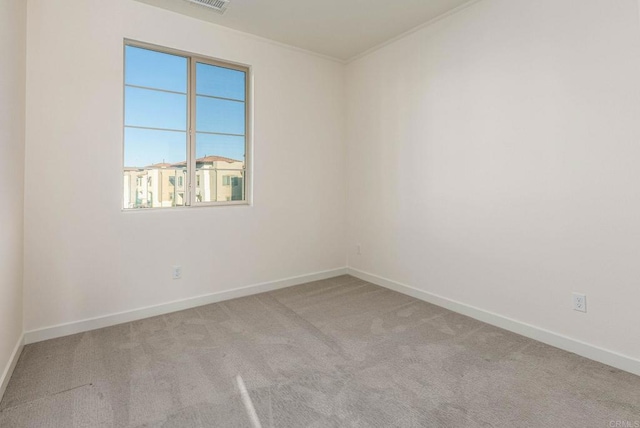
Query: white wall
<point x="84" y="257"/>
<point x="491" y="159"/>
<point x="12" y="99"/>
<point x="494" y="159"/>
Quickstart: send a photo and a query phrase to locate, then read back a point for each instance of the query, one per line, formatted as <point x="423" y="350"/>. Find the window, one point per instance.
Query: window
<point x="185" y="129"/>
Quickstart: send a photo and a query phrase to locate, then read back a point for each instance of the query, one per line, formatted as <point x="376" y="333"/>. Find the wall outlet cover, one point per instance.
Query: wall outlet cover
<point x="579" y="302"/>
<point x="176" y="272"/>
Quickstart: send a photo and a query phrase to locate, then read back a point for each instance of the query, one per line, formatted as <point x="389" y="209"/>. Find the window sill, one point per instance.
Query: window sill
<point x="188" y="208"/>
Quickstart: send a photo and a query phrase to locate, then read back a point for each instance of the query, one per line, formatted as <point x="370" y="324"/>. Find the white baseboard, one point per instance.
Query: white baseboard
<point x="611" y="358"/>
<point x="11" y="364"/>
<point x="165" y="308"/>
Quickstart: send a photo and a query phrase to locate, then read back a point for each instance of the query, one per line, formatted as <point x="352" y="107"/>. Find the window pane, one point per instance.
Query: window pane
<point x="144" y="147"/>
<point x="154" y="109"/>
<point x="154" y="188"/>
<point x="220" y="82"/>
<point x="219" y="181"/>
<point x="220" y="145"/>
<point x="155" y="168"/>
<point x="144" y="67"/>
<point x="219" y="168"/>
<point x="223" y="116"/>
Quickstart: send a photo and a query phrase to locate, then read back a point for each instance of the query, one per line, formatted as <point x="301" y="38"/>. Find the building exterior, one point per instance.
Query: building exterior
<point x="161" y="185"/>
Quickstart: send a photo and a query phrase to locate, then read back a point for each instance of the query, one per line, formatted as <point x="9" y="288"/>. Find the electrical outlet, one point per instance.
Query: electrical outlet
<point x="177" y="272"/>
<point x="358" y="249"/>
<point x="579" y="302"/>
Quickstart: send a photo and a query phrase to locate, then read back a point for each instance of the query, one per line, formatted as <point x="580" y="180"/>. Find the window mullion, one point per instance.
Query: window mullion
<point x="191" y="114"/>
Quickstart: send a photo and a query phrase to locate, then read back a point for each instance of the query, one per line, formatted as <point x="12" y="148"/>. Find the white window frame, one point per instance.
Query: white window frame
<point x="190" y="185"/>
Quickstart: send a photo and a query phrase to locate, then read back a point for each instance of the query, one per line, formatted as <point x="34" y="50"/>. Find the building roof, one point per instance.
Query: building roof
<point x="208" y="159"/>
<point x="160" y="165"/>
<point x="163" y="165"/>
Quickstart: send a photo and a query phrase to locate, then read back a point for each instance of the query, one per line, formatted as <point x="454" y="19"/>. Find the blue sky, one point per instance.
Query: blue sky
<point x="168" y="110"/>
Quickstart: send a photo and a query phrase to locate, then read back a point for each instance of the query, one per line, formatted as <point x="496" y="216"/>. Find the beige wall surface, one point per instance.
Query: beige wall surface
<point x="12" y="127"/>
<point x="503" y="142"/>
<point x="93" y="259"/>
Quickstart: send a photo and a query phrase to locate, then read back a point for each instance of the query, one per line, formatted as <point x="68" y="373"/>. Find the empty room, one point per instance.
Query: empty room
<point x="299" y="213"/>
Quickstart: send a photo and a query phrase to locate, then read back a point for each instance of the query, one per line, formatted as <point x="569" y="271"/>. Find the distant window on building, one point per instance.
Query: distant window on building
<point x="185" y="118"/>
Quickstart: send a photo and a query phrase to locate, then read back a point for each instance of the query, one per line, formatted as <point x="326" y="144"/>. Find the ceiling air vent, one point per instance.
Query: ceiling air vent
<point x="219" y="6"/>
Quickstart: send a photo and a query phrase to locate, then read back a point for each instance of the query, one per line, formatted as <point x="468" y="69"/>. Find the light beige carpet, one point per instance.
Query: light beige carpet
<point x="333" y="353"/>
